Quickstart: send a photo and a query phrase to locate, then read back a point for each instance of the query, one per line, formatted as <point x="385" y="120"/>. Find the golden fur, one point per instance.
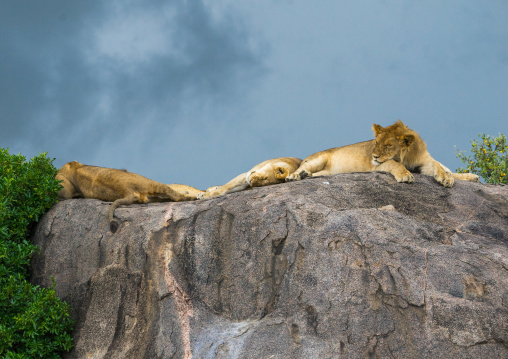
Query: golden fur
<point x="266" y="173"/>
<point x="117" y="186"/>
<point x="187" y="190"/>
<point x="396" y="149"/>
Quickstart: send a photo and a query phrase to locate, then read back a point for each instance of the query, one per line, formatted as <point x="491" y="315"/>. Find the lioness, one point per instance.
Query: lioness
<point x="113" y="185"/>
<point x="266" y="173"/>
<point x="396" y="149"/>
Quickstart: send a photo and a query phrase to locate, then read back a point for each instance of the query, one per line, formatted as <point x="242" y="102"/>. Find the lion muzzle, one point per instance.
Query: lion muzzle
<point x="375" y="160"/>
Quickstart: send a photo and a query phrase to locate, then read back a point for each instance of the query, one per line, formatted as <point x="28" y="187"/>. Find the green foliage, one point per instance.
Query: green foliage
<point x="489" y="159"/>
<point x="27" y="191"/>
<point x="34" y="322"/>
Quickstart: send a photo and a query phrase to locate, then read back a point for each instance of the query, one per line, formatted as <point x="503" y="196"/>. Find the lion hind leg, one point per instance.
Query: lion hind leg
<point x="461" y="176"/>
<point x="68" y="190"/>
<point x="179" y="195"/>
<point x="466" y="177"/>
<point x="309" y="167"/>
<point x="186" y="190"/>
<point x="160" y="192"/>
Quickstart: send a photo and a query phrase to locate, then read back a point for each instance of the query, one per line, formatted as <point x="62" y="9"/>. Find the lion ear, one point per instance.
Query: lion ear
<point x="281" y="172"/>
<point x="407" y="140"/>
<point x="377" y="129"/>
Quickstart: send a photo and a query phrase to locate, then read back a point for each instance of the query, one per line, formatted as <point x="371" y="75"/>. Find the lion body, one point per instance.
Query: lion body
<point x="114" y="185"/>
<point x="396" y="149"/>
<point x="263" y="174"/>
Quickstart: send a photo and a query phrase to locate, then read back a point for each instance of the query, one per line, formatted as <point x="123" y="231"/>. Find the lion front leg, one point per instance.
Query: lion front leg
<point x="210" y="189"/>
<point x="308" y="167"/>
<point x="239" y="183"/>
<point x="213" y="192"/>
<point x="398" y="171"/>
<point x="436" y="170"/>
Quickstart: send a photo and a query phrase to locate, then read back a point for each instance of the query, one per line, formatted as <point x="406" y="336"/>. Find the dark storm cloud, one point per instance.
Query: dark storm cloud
<point x="37" y="50"/>
<point x="64" y="73"/>
<point x="179" y="90"/>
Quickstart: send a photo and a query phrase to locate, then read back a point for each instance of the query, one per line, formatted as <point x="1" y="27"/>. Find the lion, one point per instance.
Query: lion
<point x="266" y="173"/>
<point x="396" y="149"/>
<point x="117" y="186"/>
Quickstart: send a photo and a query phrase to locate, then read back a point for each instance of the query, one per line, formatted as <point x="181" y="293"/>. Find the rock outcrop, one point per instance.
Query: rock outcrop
<point x="347" y="266"/>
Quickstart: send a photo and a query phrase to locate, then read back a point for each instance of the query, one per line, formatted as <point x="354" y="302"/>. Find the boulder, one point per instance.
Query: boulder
<point x="346" y="266"/>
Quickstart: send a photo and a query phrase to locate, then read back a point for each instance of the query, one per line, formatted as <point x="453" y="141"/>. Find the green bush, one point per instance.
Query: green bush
<point x="34" y="322"/>
<point x="488" y="159"/>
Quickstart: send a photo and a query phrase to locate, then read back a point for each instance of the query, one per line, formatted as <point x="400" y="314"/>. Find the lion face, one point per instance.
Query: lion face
<point x="392" y="143"/>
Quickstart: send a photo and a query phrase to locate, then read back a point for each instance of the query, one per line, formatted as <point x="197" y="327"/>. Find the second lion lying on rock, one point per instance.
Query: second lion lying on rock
<point x="266" y="173"/>
<point x="117" y="186"/>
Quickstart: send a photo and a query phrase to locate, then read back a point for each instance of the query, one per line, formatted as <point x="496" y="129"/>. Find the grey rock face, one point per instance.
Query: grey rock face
<point x="348" y="266"/>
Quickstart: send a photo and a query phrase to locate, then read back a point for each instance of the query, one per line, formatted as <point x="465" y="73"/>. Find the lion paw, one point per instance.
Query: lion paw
<point x="212" y="192"/>
<point x="473" y="177"/>
<point x="293" y="177"/>
<point x="207" y="194"/>
<point x="257" y="180"/>
<point x="298" y="176"/>
<point x="445" y="180"/>
<point x="405" y="177"/>
<point x="467" y="177"/>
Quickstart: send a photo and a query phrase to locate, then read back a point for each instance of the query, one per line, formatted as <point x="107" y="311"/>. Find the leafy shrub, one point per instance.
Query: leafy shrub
<point x="34" y="322"/>
<point x="488" y="159"/>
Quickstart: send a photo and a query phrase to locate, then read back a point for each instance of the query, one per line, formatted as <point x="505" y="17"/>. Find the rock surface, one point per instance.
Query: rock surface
<point x="347" y="266"/>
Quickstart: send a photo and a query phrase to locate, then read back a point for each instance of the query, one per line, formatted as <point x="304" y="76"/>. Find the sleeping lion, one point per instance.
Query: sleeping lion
<point x="117" y="186"/>
<point x="396" y="149"/>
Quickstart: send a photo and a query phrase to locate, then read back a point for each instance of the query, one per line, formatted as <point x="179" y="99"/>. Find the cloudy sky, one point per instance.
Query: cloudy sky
<point x="198" y="91"/>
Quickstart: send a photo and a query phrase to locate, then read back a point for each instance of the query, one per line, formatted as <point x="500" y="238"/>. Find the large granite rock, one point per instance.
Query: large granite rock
<point x="348" y="266"/>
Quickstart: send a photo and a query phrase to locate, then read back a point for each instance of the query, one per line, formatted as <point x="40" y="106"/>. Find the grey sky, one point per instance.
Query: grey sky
<point x="197" y="92"/>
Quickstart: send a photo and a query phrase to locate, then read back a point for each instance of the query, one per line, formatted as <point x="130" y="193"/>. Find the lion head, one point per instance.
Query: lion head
<point x="258" y="179"/>
<point x="392" y="142"/>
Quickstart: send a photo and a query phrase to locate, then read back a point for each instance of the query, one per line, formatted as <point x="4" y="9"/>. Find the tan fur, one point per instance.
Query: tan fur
<point x="113" y="185"/>
<point x="266" y="173"/>
<point x="396" y="149"/>
<point x="184" y="189"/>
